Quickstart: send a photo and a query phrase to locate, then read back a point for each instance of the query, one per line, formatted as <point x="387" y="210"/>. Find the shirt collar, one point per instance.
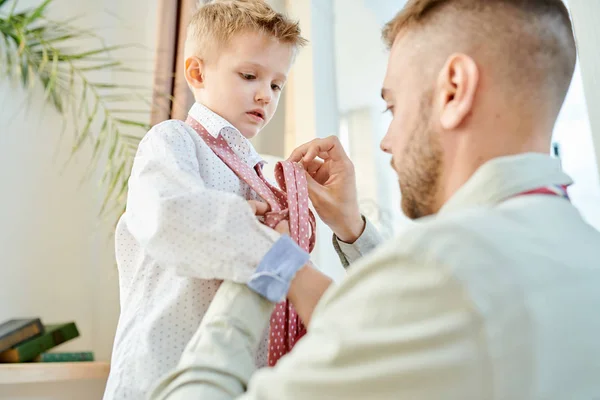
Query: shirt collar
<point x="217" y="125"/>
<point x="505" y="177"/>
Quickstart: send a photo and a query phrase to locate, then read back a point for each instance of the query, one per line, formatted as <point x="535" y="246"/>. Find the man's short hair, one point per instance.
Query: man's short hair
<point x="214" y="24"/>
<point x="533" y="38"/>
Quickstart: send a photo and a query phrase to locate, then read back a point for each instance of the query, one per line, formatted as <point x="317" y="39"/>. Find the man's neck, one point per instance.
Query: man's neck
<point x="470" y="157"/>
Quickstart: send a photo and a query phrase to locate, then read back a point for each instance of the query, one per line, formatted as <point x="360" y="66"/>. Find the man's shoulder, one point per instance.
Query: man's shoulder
<point x="406" y="273"/>
<point x="431" y="237"/>
<point x="450" y="248"/>
<point x="441" y="235"/>
<point x="495" y="254"/>
<point x="488" y="235"/>
<point x="447" y="259"/>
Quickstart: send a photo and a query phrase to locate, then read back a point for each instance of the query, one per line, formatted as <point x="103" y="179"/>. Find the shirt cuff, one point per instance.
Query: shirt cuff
<point x="368" y="240"/>
<point x="275" y="272"/>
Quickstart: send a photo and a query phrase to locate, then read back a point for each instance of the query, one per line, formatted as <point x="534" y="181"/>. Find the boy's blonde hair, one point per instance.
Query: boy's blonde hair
<point x="215" y="23"/>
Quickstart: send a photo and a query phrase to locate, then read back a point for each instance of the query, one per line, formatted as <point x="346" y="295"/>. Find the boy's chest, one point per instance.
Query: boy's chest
<point x="218" y="176"/>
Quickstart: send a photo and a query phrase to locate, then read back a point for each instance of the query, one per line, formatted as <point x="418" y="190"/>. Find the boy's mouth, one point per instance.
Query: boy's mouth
<point x="257" y="113"/>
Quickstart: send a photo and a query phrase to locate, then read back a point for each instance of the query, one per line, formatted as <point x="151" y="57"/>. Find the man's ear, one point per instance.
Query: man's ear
<point x="194" y="72"/>
<point x="457" y="85"/>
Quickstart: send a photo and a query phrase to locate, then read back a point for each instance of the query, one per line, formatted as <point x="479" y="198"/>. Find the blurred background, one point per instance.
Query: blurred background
<point x="116" y="66"/>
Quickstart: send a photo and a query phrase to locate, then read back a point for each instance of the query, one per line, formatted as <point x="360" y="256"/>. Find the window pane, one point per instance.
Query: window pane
<point x="573" y="133"/>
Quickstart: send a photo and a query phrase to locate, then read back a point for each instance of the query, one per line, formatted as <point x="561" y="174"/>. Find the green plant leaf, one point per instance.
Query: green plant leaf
<point x="2" y="3"/>
<point x="113" y="184"/>
<point x="143" y="125"/>
<point x="108" y="65"/>
<point x="37" y="51"/>
<point x="12" y="9"/>
<point x="84" y="134"/>
<point x="37" y="13"/>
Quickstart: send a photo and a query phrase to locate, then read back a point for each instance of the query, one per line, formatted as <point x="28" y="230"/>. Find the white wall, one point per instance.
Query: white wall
<point x="587" y="32"/>
<point x="361" y="62"/>
<point x="57" y="256"/>
<point x="582" y="132"/>
<point x="361" y="57"/>
<point x="573" y="133"/>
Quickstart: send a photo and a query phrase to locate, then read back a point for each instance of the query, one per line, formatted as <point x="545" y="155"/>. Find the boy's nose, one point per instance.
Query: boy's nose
<point x="263" y="96"/>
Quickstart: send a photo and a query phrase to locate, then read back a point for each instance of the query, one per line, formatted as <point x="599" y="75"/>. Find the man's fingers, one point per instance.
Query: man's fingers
<point x="315" y="190"/>
<point x="298" y="154"/>
<point x="319" y="171"/>
<point x="322" y="175"/>
<point x="326" y="148"/>
<point x="313" y="166"/>
<point x="258" y="207"/>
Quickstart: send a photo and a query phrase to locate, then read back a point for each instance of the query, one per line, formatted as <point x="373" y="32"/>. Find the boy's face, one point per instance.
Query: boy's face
<point x="243" y="84"/>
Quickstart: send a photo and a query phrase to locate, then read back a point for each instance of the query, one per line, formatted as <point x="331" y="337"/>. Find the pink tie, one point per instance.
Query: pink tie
<point x="291" y="203"/>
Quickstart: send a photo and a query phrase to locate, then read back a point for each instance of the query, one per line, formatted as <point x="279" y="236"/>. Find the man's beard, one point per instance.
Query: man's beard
<point x="420" y="167"/>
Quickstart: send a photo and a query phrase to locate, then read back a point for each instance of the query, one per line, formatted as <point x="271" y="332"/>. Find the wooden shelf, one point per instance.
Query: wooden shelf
<point x="52" y="372"/>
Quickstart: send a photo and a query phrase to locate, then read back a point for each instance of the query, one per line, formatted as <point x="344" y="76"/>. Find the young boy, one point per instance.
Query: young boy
<point x="187" y="224"/>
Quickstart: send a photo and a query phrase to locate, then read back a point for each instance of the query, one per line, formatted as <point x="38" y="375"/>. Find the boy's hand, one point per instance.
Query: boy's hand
<point x="261" y="208"/>
<point x="332" y="186"/>
<point x="258" y="207"/>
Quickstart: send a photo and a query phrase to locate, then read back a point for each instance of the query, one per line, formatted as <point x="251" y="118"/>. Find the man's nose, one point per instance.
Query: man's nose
<point x="385" y="144"/>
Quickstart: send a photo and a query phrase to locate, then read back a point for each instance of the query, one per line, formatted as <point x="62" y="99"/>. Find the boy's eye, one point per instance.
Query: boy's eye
<point x="248" y="77"/>
<point x="276" y="87"/>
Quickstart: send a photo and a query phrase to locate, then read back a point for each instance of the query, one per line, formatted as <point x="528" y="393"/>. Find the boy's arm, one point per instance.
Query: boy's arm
<point x="183" y="224"/>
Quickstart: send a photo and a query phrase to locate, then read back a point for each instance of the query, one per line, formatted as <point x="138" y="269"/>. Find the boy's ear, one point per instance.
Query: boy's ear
<point x="194" y="72"/>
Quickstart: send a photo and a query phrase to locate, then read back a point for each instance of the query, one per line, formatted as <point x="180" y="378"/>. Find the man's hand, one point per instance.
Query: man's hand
<point x="260" y="209"/>
<point x="332" y="186"/>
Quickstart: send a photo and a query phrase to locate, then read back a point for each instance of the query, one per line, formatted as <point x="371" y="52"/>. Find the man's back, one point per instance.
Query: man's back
<point x="494" y="302"/>
<point x="529" y="269"/>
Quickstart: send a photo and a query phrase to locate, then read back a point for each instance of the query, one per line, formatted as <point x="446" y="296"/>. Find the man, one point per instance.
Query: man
<point x="494" y="293"/>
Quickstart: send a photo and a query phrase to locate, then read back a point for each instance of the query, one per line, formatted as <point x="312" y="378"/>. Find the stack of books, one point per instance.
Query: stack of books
<point x="28" y="340"/>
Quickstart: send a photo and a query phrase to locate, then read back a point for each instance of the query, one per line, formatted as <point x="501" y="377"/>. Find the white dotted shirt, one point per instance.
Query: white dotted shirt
<point x="187" y="226"/>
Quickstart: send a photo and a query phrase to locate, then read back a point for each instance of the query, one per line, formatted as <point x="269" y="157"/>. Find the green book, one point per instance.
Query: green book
<point x="75" y="356"/>
<point x="16" y="331"/>
<point x="53" y="336"/>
